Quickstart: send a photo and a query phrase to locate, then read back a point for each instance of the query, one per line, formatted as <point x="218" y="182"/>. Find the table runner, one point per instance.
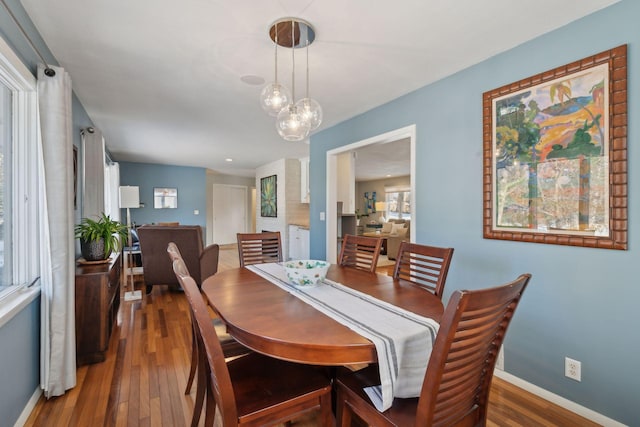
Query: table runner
<point x="403" y="339"/>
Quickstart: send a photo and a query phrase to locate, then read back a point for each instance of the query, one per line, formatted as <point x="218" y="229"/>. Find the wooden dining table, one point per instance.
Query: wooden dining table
<point x="269" y="320"/>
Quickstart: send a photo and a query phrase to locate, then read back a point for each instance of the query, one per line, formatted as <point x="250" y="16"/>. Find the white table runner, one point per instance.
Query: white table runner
<point x="403" y="339"/>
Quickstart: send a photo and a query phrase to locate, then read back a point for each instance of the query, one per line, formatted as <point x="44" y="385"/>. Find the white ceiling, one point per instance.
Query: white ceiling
<point x="383" y="160"/>
<point x="162" y="79"/>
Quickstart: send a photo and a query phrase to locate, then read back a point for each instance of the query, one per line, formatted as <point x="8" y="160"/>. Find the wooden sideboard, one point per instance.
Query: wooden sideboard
<point x="97" y="303"/>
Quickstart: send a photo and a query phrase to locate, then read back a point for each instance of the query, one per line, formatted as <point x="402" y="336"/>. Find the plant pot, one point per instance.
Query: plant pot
<point x="93" y="250"/>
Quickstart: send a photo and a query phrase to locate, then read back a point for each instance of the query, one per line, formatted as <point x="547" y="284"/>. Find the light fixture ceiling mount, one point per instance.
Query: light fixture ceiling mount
<point x="303" y="33"/>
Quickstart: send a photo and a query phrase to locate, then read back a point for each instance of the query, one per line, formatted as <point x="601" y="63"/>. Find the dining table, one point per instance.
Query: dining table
<point x="274" y="322"/>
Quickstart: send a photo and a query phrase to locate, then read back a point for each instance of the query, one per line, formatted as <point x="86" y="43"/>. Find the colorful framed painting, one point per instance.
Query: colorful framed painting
<point x="555" y="155"/>
<point x="269" y="196"/>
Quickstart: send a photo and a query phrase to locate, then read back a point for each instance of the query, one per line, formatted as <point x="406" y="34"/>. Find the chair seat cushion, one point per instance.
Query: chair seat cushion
<point x="260" y="382"/>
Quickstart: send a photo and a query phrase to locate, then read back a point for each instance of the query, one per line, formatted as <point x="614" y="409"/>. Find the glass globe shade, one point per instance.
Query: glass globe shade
<point x="273" y="98"/>
<point x="311" y="111"/>
<point x="290" y="124"/>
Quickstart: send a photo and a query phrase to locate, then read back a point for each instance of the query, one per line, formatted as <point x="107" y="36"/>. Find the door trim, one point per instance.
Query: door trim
<point x="332" y="185"/>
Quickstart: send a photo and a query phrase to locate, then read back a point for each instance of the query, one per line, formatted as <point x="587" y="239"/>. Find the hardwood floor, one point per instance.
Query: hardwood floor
<point x="143" y="379"/>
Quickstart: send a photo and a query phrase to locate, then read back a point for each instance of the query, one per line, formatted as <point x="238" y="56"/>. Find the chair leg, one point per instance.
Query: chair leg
<point x="210" y="410"/>
<point x="194" y="360"/>
<point x="201" y="388"/>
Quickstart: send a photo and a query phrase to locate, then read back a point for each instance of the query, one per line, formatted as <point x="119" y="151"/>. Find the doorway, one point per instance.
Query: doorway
<point x="229" y="212"/>
<point x="408" y="132"/>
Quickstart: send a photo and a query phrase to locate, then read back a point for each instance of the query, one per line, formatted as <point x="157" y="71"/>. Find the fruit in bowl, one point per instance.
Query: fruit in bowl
<point x="306" y="272"/>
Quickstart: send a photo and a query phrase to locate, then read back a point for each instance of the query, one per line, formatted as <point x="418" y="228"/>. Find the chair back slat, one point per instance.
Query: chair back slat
<point x="426" y="266"/>
<point x="219" y="388"/>
<point x="360" y="252"/>
<point x="259" y="248"/>
<point x="459" y="373"/>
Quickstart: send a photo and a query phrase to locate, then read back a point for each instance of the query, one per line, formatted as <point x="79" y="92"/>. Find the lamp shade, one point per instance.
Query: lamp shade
<point x="381" y="206"/>
<point x="129" y="196"/>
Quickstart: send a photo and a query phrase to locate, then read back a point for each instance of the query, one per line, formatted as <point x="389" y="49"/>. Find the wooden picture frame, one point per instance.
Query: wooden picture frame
<point x="269" y="196"/>
<point x="555" y="155"/>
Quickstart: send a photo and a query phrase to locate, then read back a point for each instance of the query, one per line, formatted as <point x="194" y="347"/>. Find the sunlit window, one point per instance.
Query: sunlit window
<point x="19" y="244"/>
<point x="5" y="187"/>
<point x="398" y="205"/>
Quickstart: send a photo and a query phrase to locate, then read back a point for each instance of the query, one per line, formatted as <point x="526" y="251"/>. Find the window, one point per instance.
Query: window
<point x="398" y="203"/>
<point x="5" y="188"/>
<point x="19" y="260"/>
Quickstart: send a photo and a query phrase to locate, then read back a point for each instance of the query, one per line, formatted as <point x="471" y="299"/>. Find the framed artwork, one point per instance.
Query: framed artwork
<point x="369" y="202"/>
<point x="555" y="155"/>
<point x="269" y="196"/>
<point x="165" y="198"/>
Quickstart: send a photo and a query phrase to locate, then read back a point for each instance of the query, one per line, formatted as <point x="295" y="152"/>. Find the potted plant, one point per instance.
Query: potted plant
<point x="98" y="238"/>
<point x="359" y="215"/>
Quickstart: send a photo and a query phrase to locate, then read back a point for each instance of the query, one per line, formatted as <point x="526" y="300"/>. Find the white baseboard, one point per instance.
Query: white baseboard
<point x="558" y="400"/>
<point x="31" y="404"/>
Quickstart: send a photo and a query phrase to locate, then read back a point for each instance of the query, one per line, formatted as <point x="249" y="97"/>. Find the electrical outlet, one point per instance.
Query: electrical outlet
<point x="572" y="369"/>
<point x="500" y="359"/>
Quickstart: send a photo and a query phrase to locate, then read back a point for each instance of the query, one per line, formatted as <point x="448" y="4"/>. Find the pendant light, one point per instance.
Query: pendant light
<point x="309" y="108"/>
<point x="275" y="96"/>
<point x="289" y="123"/>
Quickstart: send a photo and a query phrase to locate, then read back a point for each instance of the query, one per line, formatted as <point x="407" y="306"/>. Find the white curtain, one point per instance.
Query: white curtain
<point x="112" y="181"/>
<point x="93" y="175"/>
<point x="58" y="340"/>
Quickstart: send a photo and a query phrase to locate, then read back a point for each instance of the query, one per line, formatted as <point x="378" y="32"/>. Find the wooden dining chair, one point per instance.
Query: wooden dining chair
<point x="254" y="390"/>
<point x="230" y="347"/>
<point x="360" y="252"/>
<point x="457" y="381"/>
<point x="258" y="248"/>
<point x="426" y="266"/>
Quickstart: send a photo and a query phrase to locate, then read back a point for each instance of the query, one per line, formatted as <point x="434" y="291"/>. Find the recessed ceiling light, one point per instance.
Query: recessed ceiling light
<point x="388" y="175"/>
<point x="252" y="80"/>
<point x="228" y="160"/>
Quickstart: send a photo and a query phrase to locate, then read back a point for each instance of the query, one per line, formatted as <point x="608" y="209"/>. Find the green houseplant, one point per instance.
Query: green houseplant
<point x="98" y="238"/>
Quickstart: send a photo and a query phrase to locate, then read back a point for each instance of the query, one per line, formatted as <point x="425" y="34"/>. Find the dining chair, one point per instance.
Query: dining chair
<point x="230" y="347"/>
<point x="258" y="248"/>
<point x="459" y="372"/>
<point x="426" y="266"/>
<point x="253" y="390"/>
<point x="360" y="252"/>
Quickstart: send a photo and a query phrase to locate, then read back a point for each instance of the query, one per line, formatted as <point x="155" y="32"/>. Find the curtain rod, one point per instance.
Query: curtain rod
<point x="48" y="71"/>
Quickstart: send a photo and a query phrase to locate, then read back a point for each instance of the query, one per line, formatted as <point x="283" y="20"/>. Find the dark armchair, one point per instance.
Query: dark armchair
<point x="157" y="267"/>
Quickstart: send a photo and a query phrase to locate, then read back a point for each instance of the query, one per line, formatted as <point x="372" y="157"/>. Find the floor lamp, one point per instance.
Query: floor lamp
<point x="129" y="198"/>
<point x="381" y="207"/>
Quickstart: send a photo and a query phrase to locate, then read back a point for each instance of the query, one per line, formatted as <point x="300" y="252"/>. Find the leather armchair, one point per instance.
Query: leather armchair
<point x="157" y="268"/>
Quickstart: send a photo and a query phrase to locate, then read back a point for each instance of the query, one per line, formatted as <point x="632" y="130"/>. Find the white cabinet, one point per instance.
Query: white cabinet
<point x="304" y="180"/>
<point x="298" y="242"/>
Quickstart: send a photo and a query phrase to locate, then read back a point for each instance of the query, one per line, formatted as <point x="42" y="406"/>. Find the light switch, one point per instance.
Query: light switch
<point x="321" y="216"/>
<point x="196" y="212"/>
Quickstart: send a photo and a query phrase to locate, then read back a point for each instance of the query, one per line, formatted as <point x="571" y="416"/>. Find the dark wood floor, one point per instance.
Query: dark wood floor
<point x="142" y="381"/>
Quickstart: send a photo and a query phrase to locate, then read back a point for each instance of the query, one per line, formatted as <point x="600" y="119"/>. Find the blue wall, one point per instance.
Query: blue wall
<point x="581" y="302"/>
<point x="192" y="192"/>
<point x="20" y="361"/>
